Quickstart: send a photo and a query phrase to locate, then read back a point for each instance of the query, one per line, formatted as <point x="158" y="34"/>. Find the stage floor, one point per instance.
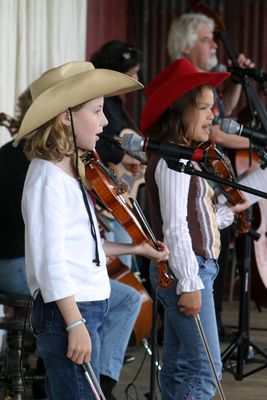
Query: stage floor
<point x="253" y="387"/>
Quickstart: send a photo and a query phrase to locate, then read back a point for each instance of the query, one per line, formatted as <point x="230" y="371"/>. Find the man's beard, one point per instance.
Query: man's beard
<point x="212" y="61"/>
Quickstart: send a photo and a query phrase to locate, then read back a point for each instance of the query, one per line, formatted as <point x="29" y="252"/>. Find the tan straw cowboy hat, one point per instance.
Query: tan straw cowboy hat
<point x="67" y="86"/>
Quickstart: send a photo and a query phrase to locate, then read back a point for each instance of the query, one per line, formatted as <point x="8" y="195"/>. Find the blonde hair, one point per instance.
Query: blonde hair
<point x="183" y="33"/>
<point x="52" y="141"/>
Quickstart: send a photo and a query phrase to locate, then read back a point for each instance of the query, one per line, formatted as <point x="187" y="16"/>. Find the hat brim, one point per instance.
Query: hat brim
<point x="74" y="91"/>
<point x="164" y="95"/>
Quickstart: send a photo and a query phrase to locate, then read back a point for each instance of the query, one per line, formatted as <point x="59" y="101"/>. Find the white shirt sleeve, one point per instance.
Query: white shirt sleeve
<point x="224" y="216"/>
<point x="45" y="214"/>
<point x="173" y="192"/>
<point x="59" y="246"/>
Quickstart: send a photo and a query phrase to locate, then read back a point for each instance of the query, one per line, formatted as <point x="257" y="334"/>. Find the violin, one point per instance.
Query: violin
<point x="109" y="190"/>
<point x="220" y="164"/>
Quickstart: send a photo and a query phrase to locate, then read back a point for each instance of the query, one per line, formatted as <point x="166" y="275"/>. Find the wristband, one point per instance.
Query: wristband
<point x="77" y="323"/>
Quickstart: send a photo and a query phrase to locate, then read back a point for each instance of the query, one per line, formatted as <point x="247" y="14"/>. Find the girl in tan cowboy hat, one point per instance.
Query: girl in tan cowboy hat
<point x="179" y="110"/>
<point x="65" y="256"/>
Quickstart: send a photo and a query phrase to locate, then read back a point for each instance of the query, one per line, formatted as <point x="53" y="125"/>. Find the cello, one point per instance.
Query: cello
<point x="143" y="324"/>
<point x="259" y="249"/>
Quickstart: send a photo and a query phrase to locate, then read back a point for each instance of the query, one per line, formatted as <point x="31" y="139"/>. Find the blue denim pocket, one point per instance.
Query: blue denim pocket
<point x="46" y="317"/>
<point x="37" y="313"/>
<point x="207" y="267"/>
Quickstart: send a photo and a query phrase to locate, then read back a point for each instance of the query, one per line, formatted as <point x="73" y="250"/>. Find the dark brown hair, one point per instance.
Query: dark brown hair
<point x="118" y="56"/>
<point x="174" y="122"/>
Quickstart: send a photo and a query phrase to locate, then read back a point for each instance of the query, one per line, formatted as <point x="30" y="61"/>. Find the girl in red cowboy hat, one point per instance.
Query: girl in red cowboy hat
<point x="179" y="110"/>
<point x="65" y="256"/>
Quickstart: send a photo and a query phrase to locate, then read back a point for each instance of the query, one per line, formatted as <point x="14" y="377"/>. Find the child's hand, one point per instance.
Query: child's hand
<point x="240" y="206"/>
<point x="146" y="250"/>
<point x="190" y="303"/>
<point x="79" y="345"/>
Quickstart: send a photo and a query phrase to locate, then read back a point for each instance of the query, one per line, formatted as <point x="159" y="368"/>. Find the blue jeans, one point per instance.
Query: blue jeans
<point x="124" y="307"/>
<point x="186" y="373"/>
<point x="13" y="276"/>
<point x="118" y="234"/>
<point x="65" y="379"/>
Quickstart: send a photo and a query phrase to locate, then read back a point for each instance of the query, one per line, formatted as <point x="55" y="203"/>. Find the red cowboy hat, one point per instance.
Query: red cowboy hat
<point x="174" y="81"/>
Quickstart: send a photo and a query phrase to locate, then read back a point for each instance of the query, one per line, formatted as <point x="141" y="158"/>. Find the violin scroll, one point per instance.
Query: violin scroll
<point x="10" y="123"/>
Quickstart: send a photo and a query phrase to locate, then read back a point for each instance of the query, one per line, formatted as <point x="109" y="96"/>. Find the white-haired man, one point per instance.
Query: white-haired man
<point x="191" y="37"/>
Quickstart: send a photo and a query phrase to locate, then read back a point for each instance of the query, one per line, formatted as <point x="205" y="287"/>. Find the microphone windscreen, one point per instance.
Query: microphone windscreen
<point x="132" y="142"/>
<point x="229" y="126"/>
<point x="220" y="68"/>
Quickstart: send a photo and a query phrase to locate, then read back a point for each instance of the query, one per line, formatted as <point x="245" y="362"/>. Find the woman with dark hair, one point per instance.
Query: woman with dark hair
<point x="118" y="56"/>
<point x="122" y="57"/>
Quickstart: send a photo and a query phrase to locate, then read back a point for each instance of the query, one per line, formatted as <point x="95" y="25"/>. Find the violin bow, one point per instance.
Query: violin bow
<point x="206" y="347"/>
<point x="138" y="210"/>
<point x="197" y="318"/>
<point x="169" y="279"/>
<point x="93" y="382"/>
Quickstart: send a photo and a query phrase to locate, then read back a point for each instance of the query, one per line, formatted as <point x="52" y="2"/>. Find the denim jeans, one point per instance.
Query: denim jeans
<point x="13" y="276"/>
<point x="65" y="379"/>
<point x="118" y="234"/>
<point x="186" y="373"/>
<point x="124" y="307"/>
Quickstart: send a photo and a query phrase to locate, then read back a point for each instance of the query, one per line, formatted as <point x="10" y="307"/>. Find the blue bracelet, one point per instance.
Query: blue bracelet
<point x="77" y="323"/>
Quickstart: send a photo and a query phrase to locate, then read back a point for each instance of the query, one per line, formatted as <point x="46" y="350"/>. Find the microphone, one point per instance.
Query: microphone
<point x="256" y="137"/>
<point x="169" y="151"/>
<point x="116" y="141"/>
<point x="239" y="72"/>
<point x="255" y="73"/>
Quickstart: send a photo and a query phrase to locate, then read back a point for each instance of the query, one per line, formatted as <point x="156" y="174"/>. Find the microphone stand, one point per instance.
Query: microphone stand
<point x="189" y="169"/>
<point x="258" y="109"/>
<point x="154" y="362"/>
<point x="242" y="343"/>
